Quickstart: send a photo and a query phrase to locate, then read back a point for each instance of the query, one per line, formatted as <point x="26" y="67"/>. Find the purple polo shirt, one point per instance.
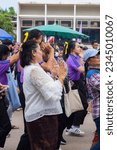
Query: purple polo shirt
<point x="4" y="67"/>
<point x="73" y="64"/>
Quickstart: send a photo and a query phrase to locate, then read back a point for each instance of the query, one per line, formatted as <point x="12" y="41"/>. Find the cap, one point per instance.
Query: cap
<point x="89" y="53"/>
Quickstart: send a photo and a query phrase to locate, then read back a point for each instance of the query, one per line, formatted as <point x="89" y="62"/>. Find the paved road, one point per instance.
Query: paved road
<point x="73" y="142"/>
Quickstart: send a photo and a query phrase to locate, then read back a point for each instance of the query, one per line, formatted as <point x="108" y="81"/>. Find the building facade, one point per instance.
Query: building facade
<point x="69" y="13"/>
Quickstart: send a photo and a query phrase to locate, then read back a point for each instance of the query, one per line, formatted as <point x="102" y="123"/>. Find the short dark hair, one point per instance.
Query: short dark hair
<point x="4" y="51"/>
<point x="26" y="52"/>
<point x="34" y="34"/>
<point x="95" y="41"/>
<point x="7" y="42"/>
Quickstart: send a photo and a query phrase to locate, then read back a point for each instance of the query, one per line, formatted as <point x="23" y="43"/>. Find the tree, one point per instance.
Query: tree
<point x="6" y="17"/>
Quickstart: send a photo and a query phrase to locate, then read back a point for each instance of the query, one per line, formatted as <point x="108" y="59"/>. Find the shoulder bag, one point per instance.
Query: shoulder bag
<point x="72" y="101"/>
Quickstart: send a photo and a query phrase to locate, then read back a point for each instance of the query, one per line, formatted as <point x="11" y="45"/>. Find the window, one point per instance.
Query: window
<point x="39" y="22"/>
<point x="66" y="23"/>
<point x="26" y="23"/>
<point x="94" y="34"/>
<point x="84" y="24"/>
<point x="52" y="22"/>
<point x="95" y="24"/>
<point x="22" y="33"/>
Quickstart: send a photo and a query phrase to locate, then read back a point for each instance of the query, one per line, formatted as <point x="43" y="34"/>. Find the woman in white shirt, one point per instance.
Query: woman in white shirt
<point x="42" y="95"/>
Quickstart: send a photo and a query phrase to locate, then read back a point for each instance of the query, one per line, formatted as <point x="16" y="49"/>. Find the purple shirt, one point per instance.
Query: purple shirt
<point x="73" y="64"/>
<point x="18" y="66"/>
<point x="4" y="67"/>
<point x="21" y="72"/>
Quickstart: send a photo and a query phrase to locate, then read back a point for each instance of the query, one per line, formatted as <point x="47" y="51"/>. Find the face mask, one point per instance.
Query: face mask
<point x="56" y="54"/>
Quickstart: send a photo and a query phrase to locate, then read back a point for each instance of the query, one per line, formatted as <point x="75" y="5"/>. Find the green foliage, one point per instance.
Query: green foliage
<point x="6" y="17"/>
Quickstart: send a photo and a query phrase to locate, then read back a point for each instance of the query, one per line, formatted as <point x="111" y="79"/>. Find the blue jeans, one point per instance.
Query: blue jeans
<point x="97" y="145"/>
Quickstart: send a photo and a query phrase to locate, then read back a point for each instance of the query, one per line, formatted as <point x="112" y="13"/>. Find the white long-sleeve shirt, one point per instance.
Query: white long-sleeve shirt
<point x="41" y="92"/>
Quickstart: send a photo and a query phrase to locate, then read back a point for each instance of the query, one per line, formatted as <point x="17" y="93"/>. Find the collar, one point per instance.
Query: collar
<point x="74" y="56"/>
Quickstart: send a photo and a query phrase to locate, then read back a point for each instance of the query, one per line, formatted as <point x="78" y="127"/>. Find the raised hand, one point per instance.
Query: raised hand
<point x="3" y="89"/>
<point x="62" y="69"/>
<point x="54" y="68"/>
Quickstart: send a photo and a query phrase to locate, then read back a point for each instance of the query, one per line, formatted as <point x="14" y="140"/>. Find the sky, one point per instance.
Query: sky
<point x="5" y="4"/>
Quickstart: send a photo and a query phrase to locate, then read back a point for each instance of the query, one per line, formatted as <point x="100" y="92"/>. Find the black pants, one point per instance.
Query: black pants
<point x="24" y="143"/>
<point x="5" y="125"/>
<point x="62" y="122"/>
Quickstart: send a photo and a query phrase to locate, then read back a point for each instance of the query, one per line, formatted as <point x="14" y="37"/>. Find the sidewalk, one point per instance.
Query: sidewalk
<point x="73" y="142"/>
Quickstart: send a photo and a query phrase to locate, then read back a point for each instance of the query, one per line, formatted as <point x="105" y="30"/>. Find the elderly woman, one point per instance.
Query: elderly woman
<point x="46" y="64"/>
<point x="42" y="95"/>
<point x="92" y="68"/>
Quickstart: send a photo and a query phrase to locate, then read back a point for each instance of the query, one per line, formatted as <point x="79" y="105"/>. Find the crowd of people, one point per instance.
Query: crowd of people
<point x="42" y="71"/>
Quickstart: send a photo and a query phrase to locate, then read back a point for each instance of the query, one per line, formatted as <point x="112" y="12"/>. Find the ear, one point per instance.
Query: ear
<point x="33" y="53"/>
<point x="89" y="61"/>
<point x="34" y="39"/>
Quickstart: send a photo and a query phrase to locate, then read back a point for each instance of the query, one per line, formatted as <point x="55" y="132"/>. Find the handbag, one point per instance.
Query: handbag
<point x="12" y="92"/>
<point x="72" y="101"/>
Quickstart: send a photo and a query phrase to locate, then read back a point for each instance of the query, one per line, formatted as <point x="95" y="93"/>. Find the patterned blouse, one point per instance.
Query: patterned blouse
<point x="42" y="93"/>
<point x="93" y="87"/>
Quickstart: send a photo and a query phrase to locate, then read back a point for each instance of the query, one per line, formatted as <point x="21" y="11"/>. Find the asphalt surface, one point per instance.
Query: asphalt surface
<point x="73" y="142"/>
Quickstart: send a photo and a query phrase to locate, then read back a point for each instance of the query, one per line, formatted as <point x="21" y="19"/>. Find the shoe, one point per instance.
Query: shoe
<point x="76" y="131"/>
<point x="67" y="132"/>
<point x="8" y="135"/>
<point x="60" y="148"/>
<point x="63" y="141"/>
<point x="20" y="108"/>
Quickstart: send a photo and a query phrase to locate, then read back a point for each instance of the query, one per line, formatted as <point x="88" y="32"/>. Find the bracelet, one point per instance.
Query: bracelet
<point x="41" y="62"/>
